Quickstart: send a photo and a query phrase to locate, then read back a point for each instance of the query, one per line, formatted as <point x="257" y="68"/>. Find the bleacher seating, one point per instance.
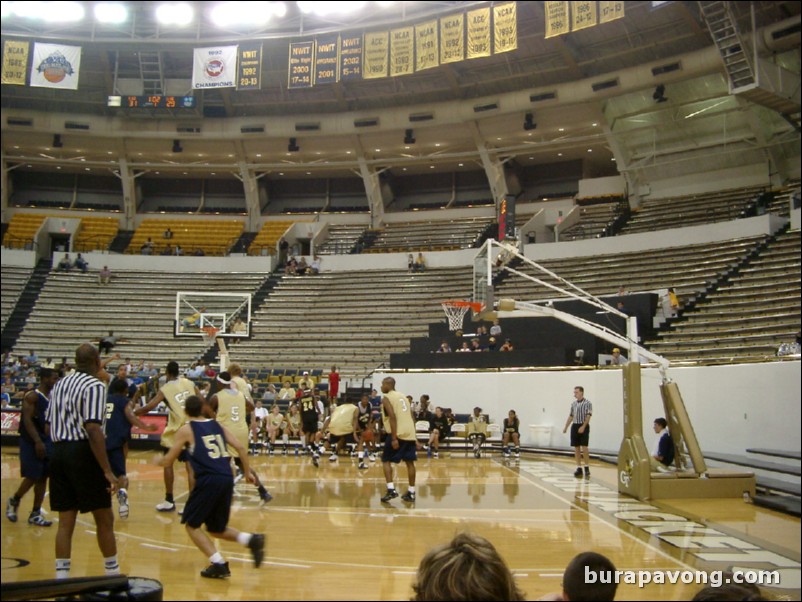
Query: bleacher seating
<point x="95" y="234"/>
<point x="430" y="236"/>
<point x="780" y="203"/>
<point x="593" y="221"/>
<point x="341" y="239"/>
<point x="749" y="316"/>
<point x="14" y="280"/>
<point x="694" y="209"/>
<point x="21" y="230"/>
<point x="214" y="237"/>
<point x="267" y="238"/>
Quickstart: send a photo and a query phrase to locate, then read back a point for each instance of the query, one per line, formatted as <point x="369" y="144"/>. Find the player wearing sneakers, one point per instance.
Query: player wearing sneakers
<point x="511" y="435"/>
<point x="174" y="393"/>
<point x="343" y="424"/>
<point x="119" y="419"/>
<point x="477" y="431"/>
<point x="365" y="422"/>
<point x="209" y="501"/>
<point x="400" y="442"/>
<point x="579" y="421"/>
<point x="310" y="415"/>
<point x="35" y="448"/>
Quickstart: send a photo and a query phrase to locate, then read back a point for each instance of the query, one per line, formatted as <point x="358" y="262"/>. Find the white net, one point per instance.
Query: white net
<point x="455" y="312"/>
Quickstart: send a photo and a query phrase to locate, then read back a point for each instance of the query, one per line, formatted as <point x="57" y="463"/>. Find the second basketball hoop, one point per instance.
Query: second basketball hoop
<point x="455" y="311"/>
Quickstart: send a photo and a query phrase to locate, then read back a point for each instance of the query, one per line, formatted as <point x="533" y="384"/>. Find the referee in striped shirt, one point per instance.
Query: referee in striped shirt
<point x="80" y="475"/>
<point x="579" y="421"/>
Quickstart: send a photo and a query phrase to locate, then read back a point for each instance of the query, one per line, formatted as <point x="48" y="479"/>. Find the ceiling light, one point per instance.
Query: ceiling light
<point x="110" y="12"/>
<point x="560" y="129"/>
<point x="174" y="14"/>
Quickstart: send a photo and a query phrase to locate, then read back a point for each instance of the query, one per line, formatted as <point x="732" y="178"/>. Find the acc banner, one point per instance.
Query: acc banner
<point x="351" y="57"/>
<point x="452" y="39"/>
<point x="215" y="67"/>
<point x="557" y="21"/>
<point x="401" y="51"/>
<point x="326" y="61"/>
<point x="302" y="59"/>
<point x="505" y="27"/>
<point x="376" y="54"/>
<point x="249" y="67"/>
<point x="584" y="14"/>
<point x="15" y="62"/>
<point x="55" y="66"/>
<point x="426" y="50"/>
<point x="478" y="33"/>
<point x="610" y="11"/>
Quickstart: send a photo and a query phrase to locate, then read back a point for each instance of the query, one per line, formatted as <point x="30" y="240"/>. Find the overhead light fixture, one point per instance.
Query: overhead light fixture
<point x="409" y="137"/>
<point x="529" y="122"/>
<point x="177" y="146"/>
<point x="57" y="143"/>
<point x="293" y="147"/>
<point x="660" y="93"/>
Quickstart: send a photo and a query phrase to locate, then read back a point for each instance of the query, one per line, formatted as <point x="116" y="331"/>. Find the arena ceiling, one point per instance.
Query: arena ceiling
<point x="111" y="60"/>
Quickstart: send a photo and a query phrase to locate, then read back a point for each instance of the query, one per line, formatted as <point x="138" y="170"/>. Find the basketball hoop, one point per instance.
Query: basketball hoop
<point x="456" y="310"/>
<point x="209" y="334"/>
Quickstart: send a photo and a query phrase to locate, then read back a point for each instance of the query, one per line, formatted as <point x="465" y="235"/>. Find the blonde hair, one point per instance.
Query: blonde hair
<point x="234" y="369"/>
<point x="466" y="568"/>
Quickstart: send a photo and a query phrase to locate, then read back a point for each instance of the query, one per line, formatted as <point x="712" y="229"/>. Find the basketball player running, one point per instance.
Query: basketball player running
<point x="400" y="442"/>
<point x="366" y="434"/>
<point x="209" y="501"/>
<point x="174" y="393"/>
<point x="230" y="407"/>
<point x="310" y="414"/>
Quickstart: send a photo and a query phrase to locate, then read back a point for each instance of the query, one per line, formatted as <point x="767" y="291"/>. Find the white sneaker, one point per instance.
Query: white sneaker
<point x="333" y="458"/>
<point x="122" y="498"/>
<point x="165" y="506"/>
<point x="372" y="457"/>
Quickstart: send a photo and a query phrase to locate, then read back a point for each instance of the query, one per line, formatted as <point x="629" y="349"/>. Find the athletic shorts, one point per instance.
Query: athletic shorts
<point x="116" y="460"/>
<point x="209" y="503"/>
<point x="310" y="427"/>
<point x="76" y="479"/>
<point x="31" y="467"/>
<point x="349" y="438"/>
<point x="182" y="457"/>
<point x="579" y="439"/>
<point x="407" y="451"/>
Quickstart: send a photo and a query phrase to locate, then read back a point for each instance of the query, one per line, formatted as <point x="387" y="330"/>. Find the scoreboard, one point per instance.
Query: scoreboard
<point x="153" y="101"/>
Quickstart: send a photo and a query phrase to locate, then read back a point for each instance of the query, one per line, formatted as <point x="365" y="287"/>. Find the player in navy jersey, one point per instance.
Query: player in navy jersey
<point x="119" y="418"/>
<point x="35" y="448"/>
<point x="209" y="501"/>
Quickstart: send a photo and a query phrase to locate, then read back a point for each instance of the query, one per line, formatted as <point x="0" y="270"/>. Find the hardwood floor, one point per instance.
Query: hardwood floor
<point x="330" y="538"/>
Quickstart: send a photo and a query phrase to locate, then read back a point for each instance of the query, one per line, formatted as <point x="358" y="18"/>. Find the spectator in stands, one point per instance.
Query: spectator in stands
<point x="168" y="250"/>
<point x="410" y="263"/>
<point x="9" y="386"/>
<point x="5" y="398"/>
<point x="420" y="263"/>
<point x="663" y="451"/>
<point x="466" y="348"/>
<point x="314" y="268"/>
<point x="270" y="394"/>
<point x="495" y="330"/>
<point x="673" y="301"/>
<point x="168" y="234"/>
<point x="291" y="269"/>
<point x="107" y="343"/>
<point x="302" y="267"/>
<point x="82" y="264"/>
<point x="178" y="251"/>
<point x="618" y="359"/>
<point x="65" y="265"/>
<point x="48" y="363"/>
<point x="466" y="568"/>
<point x="196" y="370"/>
<point x="622" y="290"/>
<point x="492" y="344"/>
<point x="286" y="392"/>
<point x="239" y="327"/>
<point x="32" y="358"/>
<point x="444" y="347"/>
<point x="194" y="320"/>
<point x="104" y="276"/>
<point x="199" y="252"/>
<point x="476" y="345"/>
<point x="147" y="247"/>
<point x="334" y="384"/>
<point x="481" y="331"/>
<point x="306" y="382"/>
<point x="283" y="250"/>
<point x="210" y="373"/>
<point x="575" y="585"/>
<point x="293" y="420"/>
<point x="507" y="346"/>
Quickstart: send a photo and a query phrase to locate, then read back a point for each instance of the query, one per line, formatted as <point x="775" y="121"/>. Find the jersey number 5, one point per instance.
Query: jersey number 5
<point x="215" y="446"/>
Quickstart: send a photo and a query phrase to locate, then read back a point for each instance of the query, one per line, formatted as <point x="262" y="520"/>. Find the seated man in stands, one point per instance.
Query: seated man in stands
<point x="178" y="250"/>
<point x="420" y="264"/>
<point x="104" y="276"/>
<point x="194" y="320"/>
<point x="168" y="234"/>
<point x="507" y="346"/>
<point x="663" y="452"/>
<point x="168" y="250"/>
<point x="65" y="265"/>
<point x="618" y="359"/>
<point x="444" y="347"/>
<point x="82" y="264"/>
<point x="302" y="267"/>
<point x="199" y="252"/>
<point x="286" y="392"/>
<point x="314" y="267"/>
<point x="147" y="247"/>
<point x="270" y="394"/>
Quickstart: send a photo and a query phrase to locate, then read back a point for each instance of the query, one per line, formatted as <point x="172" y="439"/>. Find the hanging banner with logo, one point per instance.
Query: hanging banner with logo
<point x="478" y="33"/>
<point x="610" y="11"/>
<point x="401" y="51"/>
<point x="302" y="57"/>
<point x="376" y="54"/>
<point x="505" y="27"/>
<point x="249" y="67"/>
<point x="557" y="21"/>
<point x="55" y="66"/>
<point x="351" y="57"/>
<point x="426" y="47"/>
<point x="15" y="62"/>
<point x="583" y="15"/>
<point x="214" y="67"/>
<point x="452" y="39"/>
<point x="326" y="61"/>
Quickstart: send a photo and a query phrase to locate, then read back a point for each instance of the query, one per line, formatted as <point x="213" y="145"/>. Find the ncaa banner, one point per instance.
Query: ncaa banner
<point x="401" y="51"/>
<point x="505" y="28"/>
<point x="15" y="62"/>
<point x="610" y="11"/>
<point x="427" y="52"/>
<point x="55" y="66"/>
<point x="452" y="39"/>
<point x="557" y="21"/>
<point x="215" y="67"/>
<point x="583" y="14"/>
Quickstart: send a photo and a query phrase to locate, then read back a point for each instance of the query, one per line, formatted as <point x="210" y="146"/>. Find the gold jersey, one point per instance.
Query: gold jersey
<point x="342" y="420"/>
<point x="175" y="394"/>
<point x="242" y="386"/>
<point x="231" y="409"/>
<point x="405" y="425"/>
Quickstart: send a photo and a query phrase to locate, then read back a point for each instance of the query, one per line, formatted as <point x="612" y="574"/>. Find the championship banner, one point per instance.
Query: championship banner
<point x="505" y="27"/>
<point x="478" y="33"/>
<point x="351" y="57"/>
<point x="249" y="67"/>
<point x="401" y="51"/>
<point x="302" y="55"/>
<point x="326" y="60"/>
<point x="376" y="54"/>
<point x="610" y="11"/>
<point x="55" y="66"/>
<point x="15" y="62"/>
<point x="214" y="67"/>
<point x="583" y="15"/>
<point x="557" y="21"/>
<point x="452" y="39"/>
<point x="426" y="47"/>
